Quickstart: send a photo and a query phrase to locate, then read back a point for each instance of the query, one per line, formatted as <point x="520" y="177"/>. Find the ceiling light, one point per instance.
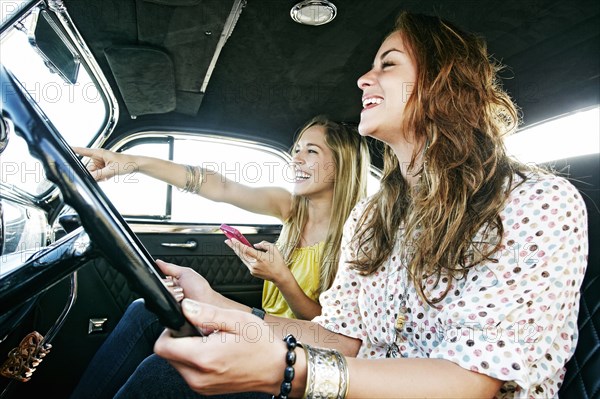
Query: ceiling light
<point x="312" y="12"/>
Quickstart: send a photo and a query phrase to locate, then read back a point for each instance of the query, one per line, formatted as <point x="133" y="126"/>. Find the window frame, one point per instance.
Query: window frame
<point x="170" y="137"/>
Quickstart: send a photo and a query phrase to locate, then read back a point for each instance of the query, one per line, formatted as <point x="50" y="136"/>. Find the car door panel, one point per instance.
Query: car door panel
<point x="206" y="253"/>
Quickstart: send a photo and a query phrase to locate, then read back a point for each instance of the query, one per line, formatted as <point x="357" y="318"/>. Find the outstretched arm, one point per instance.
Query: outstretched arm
<point x="273" y="201"/>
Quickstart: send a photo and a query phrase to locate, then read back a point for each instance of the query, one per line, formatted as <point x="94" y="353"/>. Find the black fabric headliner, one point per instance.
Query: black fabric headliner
<point x="273" y="73"/>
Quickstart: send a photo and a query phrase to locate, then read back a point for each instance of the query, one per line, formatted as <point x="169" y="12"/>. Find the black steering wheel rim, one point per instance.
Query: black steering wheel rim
<point x="107" y="229"/>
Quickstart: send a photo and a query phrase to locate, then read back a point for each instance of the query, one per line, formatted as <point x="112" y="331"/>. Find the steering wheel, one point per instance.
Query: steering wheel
<point x="107" y="230"/>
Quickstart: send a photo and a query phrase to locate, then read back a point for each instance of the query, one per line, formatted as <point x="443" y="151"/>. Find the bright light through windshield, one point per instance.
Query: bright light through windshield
<point x="567" y="137"/>
<point x="76" y="110"/>
<point x="10" y="8"/>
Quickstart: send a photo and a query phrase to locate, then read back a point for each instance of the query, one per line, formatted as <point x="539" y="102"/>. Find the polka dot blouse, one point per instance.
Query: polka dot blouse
<point x="514" y="319"/>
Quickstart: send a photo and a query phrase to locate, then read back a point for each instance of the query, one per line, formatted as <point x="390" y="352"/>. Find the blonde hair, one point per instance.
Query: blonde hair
<point x="459" y="114"/>
<point x="352" y="161"/>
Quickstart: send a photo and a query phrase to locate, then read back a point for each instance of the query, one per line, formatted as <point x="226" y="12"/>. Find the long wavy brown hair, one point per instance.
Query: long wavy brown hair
<point x="459" y="114"/>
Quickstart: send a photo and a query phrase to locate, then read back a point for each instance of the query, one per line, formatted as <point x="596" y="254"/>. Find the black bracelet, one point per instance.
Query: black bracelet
<point x="288" y="373"/>
<point x="258" y="313"/>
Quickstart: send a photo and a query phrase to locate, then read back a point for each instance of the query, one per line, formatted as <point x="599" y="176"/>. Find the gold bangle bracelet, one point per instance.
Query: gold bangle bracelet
<point x="327" y="374"/>
<point x="198" y="179"/>
<point x="194" y="177"/>
<point x="308" y="370"/>
<point x="189" y="177"/>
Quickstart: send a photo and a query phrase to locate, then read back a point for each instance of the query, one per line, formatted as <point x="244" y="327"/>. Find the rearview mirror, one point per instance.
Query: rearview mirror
<point x="51" y="43"/>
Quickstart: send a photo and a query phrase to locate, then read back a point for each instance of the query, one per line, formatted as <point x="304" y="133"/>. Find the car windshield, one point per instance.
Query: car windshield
<point x="66" y="104"/>
<point x="72" y="104"/>
<point x="10" y="8"/>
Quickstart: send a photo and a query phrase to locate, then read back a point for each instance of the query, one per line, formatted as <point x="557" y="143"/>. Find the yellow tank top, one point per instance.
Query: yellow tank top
<point x="304" y="266"/>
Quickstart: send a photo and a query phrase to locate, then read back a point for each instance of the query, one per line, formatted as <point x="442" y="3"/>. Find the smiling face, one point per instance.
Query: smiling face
<point x="386" y="89"/>
<point x="314" y="164"/>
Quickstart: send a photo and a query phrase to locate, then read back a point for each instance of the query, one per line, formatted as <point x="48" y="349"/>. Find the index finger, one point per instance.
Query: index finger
<point x="86" y="152"/>
<point x="243" y="251"/>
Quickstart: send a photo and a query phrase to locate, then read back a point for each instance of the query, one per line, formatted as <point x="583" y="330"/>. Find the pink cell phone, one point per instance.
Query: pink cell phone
<point x="232" y="232"/>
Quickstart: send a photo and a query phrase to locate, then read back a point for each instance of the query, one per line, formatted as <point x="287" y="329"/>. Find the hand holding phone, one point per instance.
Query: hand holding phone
<point x="232" y="232"/>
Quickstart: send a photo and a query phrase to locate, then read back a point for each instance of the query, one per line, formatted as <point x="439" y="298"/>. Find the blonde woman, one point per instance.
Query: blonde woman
<point x="331" y="163"/>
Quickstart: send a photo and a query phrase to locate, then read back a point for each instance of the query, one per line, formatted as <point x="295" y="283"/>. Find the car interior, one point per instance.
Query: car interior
<point x="226" y="83"/>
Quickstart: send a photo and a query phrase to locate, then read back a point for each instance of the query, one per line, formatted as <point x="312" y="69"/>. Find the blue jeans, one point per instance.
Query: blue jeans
<point x="125" y="348"/>
<point x="125" y="363"/>
<point x="156" y="378"/>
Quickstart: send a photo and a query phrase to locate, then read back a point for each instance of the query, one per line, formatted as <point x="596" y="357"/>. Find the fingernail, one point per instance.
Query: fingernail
<point x="190" y="306"/>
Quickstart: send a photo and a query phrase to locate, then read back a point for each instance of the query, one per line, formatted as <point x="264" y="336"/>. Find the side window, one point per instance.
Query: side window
<point x="139" y="196"/>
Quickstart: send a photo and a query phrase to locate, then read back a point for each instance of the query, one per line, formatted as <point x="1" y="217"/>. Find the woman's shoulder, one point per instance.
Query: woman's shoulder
<point x="541" y="193"/>
<point x="356" y="216"/>
<point x="538" y="184"/>
<point x="358" y="210"/>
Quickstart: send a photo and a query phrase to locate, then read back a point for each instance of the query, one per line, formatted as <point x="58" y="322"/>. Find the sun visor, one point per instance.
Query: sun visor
<point x="145" y="77"/>
<point x="192" y="33"/>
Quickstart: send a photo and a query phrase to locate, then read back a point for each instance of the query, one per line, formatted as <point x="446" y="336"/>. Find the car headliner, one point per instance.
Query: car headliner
<point x="273" y="73"/>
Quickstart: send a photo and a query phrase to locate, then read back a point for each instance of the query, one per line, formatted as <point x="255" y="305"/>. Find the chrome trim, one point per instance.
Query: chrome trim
<point x="232" y="19"/>
<point x="298" y="11"/>
<point x="65" y="312"/>
<point x="60" y="10"/>
<point x="97" y="325"/>
<point x="10" y="22"/>
<point x="1" y="232"/>
<point x="206" y="136"/>
<point x="189" y="244"/>
<point x="82" y="245"/>
<point x="4" y="134"/>
<point x="148" y="228"/>
<point x="17" y="195"/>
<point x="57" y="5"/>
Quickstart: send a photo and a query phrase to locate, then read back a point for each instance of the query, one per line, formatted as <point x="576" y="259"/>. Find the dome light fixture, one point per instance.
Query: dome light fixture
<point x="313" y="12"/>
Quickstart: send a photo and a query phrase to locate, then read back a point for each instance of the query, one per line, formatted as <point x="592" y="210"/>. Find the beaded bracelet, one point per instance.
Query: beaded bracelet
<point x="288" y="373"/>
